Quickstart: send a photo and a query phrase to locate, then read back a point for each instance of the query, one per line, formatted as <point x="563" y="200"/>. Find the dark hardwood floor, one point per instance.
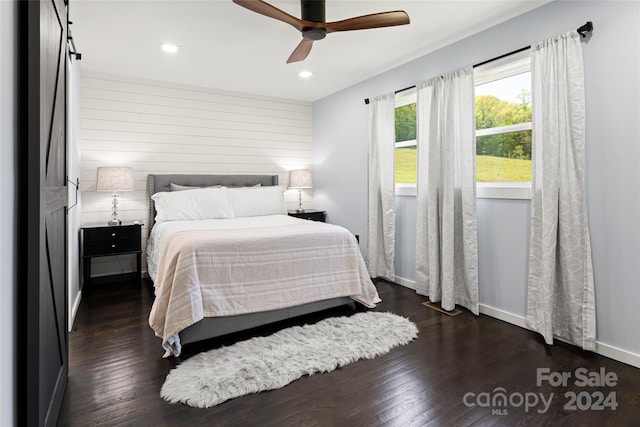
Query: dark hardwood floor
<point x="116" y="371"/>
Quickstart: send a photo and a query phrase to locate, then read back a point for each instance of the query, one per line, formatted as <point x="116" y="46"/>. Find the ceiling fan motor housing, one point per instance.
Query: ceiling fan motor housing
<point x="314" y="11"/>
<point x="314" y="33"/>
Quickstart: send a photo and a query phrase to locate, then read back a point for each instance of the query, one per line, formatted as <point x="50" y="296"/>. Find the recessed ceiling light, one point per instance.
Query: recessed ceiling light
<point x="169" y="48"/>
<point x="305" y="74"/>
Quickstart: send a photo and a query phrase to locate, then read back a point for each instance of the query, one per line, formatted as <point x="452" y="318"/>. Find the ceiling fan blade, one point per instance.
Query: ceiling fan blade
<point x="266" y="9"/>
<point x="375" y="20"/>
<point x="301" y="51"/>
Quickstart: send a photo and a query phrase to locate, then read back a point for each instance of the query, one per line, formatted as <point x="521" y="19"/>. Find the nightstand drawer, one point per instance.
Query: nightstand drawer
<point x="111" y="233"/>
<point x="113" y="246"/>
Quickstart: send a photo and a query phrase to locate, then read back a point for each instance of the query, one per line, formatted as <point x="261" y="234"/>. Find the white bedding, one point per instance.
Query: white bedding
<point x="162" y="231"/>
<point x="225" y="267"/>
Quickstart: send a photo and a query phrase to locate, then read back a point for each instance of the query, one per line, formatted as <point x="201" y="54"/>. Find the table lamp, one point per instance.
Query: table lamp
<point x="114" y="179"/>
<point x="300" y="178"/>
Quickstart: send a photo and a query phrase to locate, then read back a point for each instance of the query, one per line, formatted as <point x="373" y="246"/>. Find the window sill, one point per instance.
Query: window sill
<point x="484" y="190"/>
<point x="406" y="190"/>
<point x="503" y="190"/>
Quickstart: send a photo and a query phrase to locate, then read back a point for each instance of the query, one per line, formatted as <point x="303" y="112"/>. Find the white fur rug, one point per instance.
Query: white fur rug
<point x="267" y="363"/>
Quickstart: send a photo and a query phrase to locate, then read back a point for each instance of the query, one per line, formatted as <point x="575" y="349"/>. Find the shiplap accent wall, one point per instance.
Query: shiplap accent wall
<point x="157" y="127"/>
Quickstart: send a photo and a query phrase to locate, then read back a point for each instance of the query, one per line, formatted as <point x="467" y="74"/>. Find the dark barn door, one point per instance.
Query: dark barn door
<point x="43" y="349"/>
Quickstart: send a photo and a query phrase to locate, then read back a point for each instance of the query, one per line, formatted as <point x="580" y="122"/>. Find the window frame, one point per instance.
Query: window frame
<point x="499" y="69"/>
<point x="407" y="97"/>
<point x="495" y="70"/>
<point x="402" y="98"/>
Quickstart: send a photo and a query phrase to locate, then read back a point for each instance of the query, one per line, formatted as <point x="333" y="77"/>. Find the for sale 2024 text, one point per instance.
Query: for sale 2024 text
<point x="582" y="400"/>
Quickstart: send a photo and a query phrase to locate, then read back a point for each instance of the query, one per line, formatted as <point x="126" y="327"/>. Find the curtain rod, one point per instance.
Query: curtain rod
<point x="583" y="30"/>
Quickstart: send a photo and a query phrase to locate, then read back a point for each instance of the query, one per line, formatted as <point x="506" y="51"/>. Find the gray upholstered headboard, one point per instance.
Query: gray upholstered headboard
<point x="157" y="183"/>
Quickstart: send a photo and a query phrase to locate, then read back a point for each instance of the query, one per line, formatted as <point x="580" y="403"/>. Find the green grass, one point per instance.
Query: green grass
<point x="500" y="169"/>
<point x="488" y="168"/>
<point x="406" y="164"/>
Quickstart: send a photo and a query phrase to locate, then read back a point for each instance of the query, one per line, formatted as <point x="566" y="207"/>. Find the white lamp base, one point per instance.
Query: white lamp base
<point x="299" y="201"/>
<point x="114" y="211"/>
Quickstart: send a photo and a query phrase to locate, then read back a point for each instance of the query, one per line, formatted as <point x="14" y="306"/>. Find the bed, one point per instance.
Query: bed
<point x="224" y="257"/>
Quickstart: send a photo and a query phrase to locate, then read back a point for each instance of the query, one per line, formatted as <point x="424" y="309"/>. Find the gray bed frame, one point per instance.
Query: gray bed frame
<point x="211" y="327"/>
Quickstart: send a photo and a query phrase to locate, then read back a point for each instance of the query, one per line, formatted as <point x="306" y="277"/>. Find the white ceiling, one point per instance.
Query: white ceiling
<point x="225" y="46"/>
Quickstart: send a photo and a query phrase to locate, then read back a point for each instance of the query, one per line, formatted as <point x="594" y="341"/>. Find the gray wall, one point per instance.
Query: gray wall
<point x="612" y="68"/>
<point x="7" y="210"/>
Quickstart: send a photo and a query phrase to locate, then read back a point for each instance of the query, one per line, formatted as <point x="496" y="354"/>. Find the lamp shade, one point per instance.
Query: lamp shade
<point x="114" y="178"/>
<point x="300" y="178"/>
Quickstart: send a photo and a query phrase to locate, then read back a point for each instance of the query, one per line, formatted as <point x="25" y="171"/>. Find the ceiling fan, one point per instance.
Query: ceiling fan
<point x="313" y="25"/>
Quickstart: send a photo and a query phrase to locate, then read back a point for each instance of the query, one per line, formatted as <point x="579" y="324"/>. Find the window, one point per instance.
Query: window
<point x="503" y="130"/>
<point x="503" y="127"/>
<point x="406" y="152"/>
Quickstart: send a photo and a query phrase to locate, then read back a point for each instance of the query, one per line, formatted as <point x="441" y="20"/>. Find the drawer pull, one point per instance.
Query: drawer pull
<point x="113" y="234"/>
<point x="113" y="245"/>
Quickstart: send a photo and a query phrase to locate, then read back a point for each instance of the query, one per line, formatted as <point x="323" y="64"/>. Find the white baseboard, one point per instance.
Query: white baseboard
<point x="74" y="309"/>
<point x="603" y="349"/>
<point x="618" y="354"/>
<point x="406" y="283"/>
<point x="505" y="316"/>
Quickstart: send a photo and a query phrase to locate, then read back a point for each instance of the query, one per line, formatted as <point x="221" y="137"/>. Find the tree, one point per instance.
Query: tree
<point x="493" y="112"/>
<point x="406" y="122"/>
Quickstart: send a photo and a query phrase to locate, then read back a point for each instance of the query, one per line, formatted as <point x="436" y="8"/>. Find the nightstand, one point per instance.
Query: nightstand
<point x="310" y="214"/>
<point x="104" y="240"/>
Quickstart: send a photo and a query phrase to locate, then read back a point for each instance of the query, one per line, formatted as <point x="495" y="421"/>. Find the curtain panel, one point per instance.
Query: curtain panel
<point x="446" y="235"/>
<point x="381" y="231"/>
<point x="560" y="296"/>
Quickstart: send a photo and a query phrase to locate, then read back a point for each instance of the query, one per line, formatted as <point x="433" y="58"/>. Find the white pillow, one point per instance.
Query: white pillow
<point x="178" y="187"/>
<point x="202" y="203"/>
<point x="258" y="201"/>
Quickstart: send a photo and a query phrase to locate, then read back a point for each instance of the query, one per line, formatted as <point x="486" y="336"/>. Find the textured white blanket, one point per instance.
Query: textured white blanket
<point x="208" y="273"/>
